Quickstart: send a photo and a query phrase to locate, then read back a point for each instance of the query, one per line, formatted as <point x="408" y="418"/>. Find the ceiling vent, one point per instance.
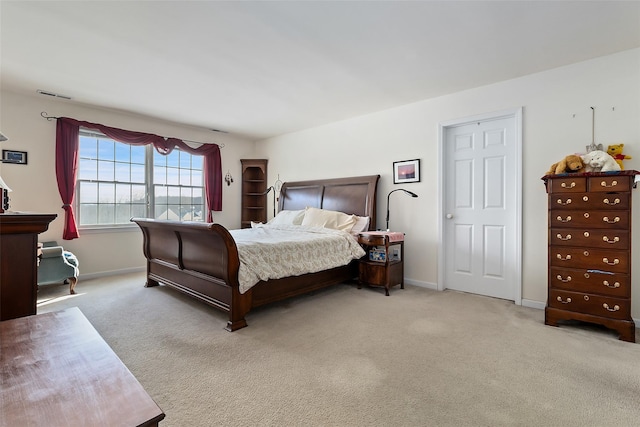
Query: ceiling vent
<point x="55" y="95"/>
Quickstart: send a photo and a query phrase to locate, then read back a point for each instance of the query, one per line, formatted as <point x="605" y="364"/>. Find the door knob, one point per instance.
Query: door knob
<point x="449" y="216"/>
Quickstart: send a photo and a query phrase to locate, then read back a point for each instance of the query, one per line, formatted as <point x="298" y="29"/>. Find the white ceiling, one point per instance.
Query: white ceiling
<point x="260" y="69"/>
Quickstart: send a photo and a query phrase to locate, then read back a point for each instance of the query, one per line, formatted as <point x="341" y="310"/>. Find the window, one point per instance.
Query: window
<point x="117" y="181"/>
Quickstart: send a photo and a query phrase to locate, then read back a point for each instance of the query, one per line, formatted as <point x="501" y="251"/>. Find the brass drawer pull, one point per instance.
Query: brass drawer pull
<point x="586" y="215"/>
<point x="586" y="234"/>
<point x="586" y="297"/>
<point x="615" y="307"/>
<point x="585" y="198"/>
<point x="585" y="253"/>
<point x="559" y="277"/>
<point x="613" y="184"/>
<point x="587" y="275"/>
<point x="564" y="302"/>
<point x="615" y="261"/>
<point x="608" y="285"/>
<point x="568" y="257"/>
<point x="611" y="221"/>
<point x="615" y="202"/>
<point x="567" y="219"/>
<point x="573" y="184"/>
<point x="560" y="202"/>
<point x="559" y="236"/>
<point x="614" y="240"/>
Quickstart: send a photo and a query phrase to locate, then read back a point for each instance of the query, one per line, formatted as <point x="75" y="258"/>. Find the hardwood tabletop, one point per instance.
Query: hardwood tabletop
<point x="56" y="370"/>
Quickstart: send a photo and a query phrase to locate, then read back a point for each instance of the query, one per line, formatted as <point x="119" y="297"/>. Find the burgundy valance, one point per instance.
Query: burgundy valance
<point x="67" y="143"/>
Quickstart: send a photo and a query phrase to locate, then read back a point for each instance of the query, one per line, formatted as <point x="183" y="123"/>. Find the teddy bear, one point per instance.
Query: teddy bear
<point x="615" y="151"/>
<point x="599" y="161"/>
<point x="570" y="164"/>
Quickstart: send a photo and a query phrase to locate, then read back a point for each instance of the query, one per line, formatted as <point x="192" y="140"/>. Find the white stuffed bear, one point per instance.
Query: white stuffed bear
<point x="599" y="161"/>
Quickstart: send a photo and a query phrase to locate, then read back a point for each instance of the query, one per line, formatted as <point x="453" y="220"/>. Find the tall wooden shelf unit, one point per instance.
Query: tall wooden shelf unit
<point x="254" y="185"/>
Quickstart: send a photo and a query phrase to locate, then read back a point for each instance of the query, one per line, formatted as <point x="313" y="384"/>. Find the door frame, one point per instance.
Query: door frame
<point x="516" y="115"/>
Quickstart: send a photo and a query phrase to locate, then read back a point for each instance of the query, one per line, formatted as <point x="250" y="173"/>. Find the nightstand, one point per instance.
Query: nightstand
<point x="383" y="265"/>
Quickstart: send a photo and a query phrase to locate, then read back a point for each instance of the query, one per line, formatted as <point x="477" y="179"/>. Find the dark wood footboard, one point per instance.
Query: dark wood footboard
<point x="198" y="259"/>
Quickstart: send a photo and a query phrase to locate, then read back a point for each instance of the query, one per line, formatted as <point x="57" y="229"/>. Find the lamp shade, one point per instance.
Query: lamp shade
<point x="4" y="185"/>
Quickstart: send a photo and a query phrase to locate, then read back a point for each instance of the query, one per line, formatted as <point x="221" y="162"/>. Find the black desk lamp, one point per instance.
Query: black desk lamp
<point x="274" y="198"/>
<point x="388" y="195"/>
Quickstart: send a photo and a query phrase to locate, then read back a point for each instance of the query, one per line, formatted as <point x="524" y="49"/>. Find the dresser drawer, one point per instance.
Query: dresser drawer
<point x="372" y="239"/>
<point x="569" y="201"/>
<point x="613" y="261"/>
<point x="569" y="184"/>
<point x="613" y="308"/>
<point x="591" y="218"/>
<point x="594" y="238"/>
<point x="589" y="281"/>
<point x="610" y="201"/>
<point x="609" y="183"/>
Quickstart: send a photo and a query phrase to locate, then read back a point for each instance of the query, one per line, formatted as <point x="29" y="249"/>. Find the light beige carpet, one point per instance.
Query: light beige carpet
<point x="349" y="357"/>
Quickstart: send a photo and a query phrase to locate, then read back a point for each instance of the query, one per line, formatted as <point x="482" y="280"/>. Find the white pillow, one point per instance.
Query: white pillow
<point x="362" y="224"/>
<point x="314" y="217"/>
<point x="288" y="218"/>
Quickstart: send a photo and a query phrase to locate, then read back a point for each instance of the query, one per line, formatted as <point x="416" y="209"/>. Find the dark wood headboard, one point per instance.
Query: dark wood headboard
<point x="353" y="195"/>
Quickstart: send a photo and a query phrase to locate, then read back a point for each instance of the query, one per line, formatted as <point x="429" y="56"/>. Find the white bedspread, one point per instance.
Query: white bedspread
<point x="272" y="252"/>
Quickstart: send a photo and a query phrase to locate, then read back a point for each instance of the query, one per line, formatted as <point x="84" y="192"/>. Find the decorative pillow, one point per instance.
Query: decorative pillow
<point x="362" y="224"/>
<point x="288" y="218"/>
<point x="314" y="217"/>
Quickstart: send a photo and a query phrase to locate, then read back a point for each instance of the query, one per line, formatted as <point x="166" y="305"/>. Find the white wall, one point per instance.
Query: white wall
<point x="556" y="122"/>
<point x="35" y="189"/>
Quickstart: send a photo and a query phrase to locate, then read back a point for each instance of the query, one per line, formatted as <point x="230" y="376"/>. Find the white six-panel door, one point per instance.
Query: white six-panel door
<point x="481" y="227"/>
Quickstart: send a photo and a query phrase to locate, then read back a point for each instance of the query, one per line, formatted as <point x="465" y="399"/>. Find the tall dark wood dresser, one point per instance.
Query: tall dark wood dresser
<point x="590" y="249"/>
<point x="19" y="262"/>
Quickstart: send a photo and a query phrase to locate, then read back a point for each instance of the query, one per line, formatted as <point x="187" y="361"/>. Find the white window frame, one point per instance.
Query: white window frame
<point x="148" y="183"/>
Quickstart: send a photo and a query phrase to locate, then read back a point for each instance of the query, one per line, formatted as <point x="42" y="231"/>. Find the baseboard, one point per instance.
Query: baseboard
<point x="111" y="273"/>
<point x="421" y="284"/>
<point x="533" y="304"/>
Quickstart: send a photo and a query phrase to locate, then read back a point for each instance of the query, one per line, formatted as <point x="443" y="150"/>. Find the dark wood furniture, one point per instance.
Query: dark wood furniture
<point x="386" y="273"/>
<point x="58" y="371"/>
<point x="202" y="260"/>
<point x="254" y="186"/>
<point x="19" y="262"/>
<point x="590" y="250"/>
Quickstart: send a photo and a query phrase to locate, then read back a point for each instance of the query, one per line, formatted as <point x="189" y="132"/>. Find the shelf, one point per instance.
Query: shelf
<point x="254" y="187"/>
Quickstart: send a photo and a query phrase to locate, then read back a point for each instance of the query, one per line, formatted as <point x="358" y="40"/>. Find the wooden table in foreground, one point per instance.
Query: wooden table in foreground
<point x="56" y="370"/>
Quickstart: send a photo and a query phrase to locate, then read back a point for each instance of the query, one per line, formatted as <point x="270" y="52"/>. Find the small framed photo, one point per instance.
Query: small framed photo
<point x="406" y="171"/>
<point x="10" y="156"/>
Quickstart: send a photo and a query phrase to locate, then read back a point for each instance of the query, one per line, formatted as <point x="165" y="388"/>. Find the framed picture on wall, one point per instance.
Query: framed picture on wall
<point x="406" y="171"/>
<point x="10" y="156"/>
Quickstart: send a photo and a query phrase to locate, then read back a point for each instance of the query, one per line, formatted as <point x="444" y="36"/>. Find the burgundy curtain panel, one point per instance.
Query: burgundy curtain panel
<point x="67" y="141"/>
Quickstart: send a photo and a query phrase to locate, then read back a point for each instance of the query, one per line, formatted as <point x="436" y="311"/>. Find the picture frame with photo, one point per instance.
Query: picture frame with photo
<point x="17" y="157"/>
<point x="406" y="171"/>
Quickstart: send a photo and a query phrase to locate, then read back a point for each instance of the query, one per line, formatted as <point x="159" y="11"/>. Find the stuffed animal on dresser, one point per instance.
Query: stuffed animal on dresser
<point x="570" y="164"/>
<point x="599" y="161"/>
<point x="615" y="151"/>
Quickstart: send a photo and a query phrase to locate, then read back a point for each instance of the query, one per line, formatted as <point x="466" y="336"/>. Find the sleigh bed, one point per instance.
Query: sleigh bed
<point x="202" y="259"/>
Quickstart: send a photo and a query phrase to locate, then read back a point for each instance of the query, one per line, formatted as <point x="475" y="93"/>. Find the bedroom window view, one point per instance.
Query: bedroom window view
<point x="178" y="186"/>
<point x="113" y="183"/>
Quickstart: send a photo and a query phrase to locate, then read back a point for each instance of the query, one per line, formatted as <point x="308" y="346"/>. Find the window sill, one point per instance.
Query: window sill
<point x="98" y="229"/>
